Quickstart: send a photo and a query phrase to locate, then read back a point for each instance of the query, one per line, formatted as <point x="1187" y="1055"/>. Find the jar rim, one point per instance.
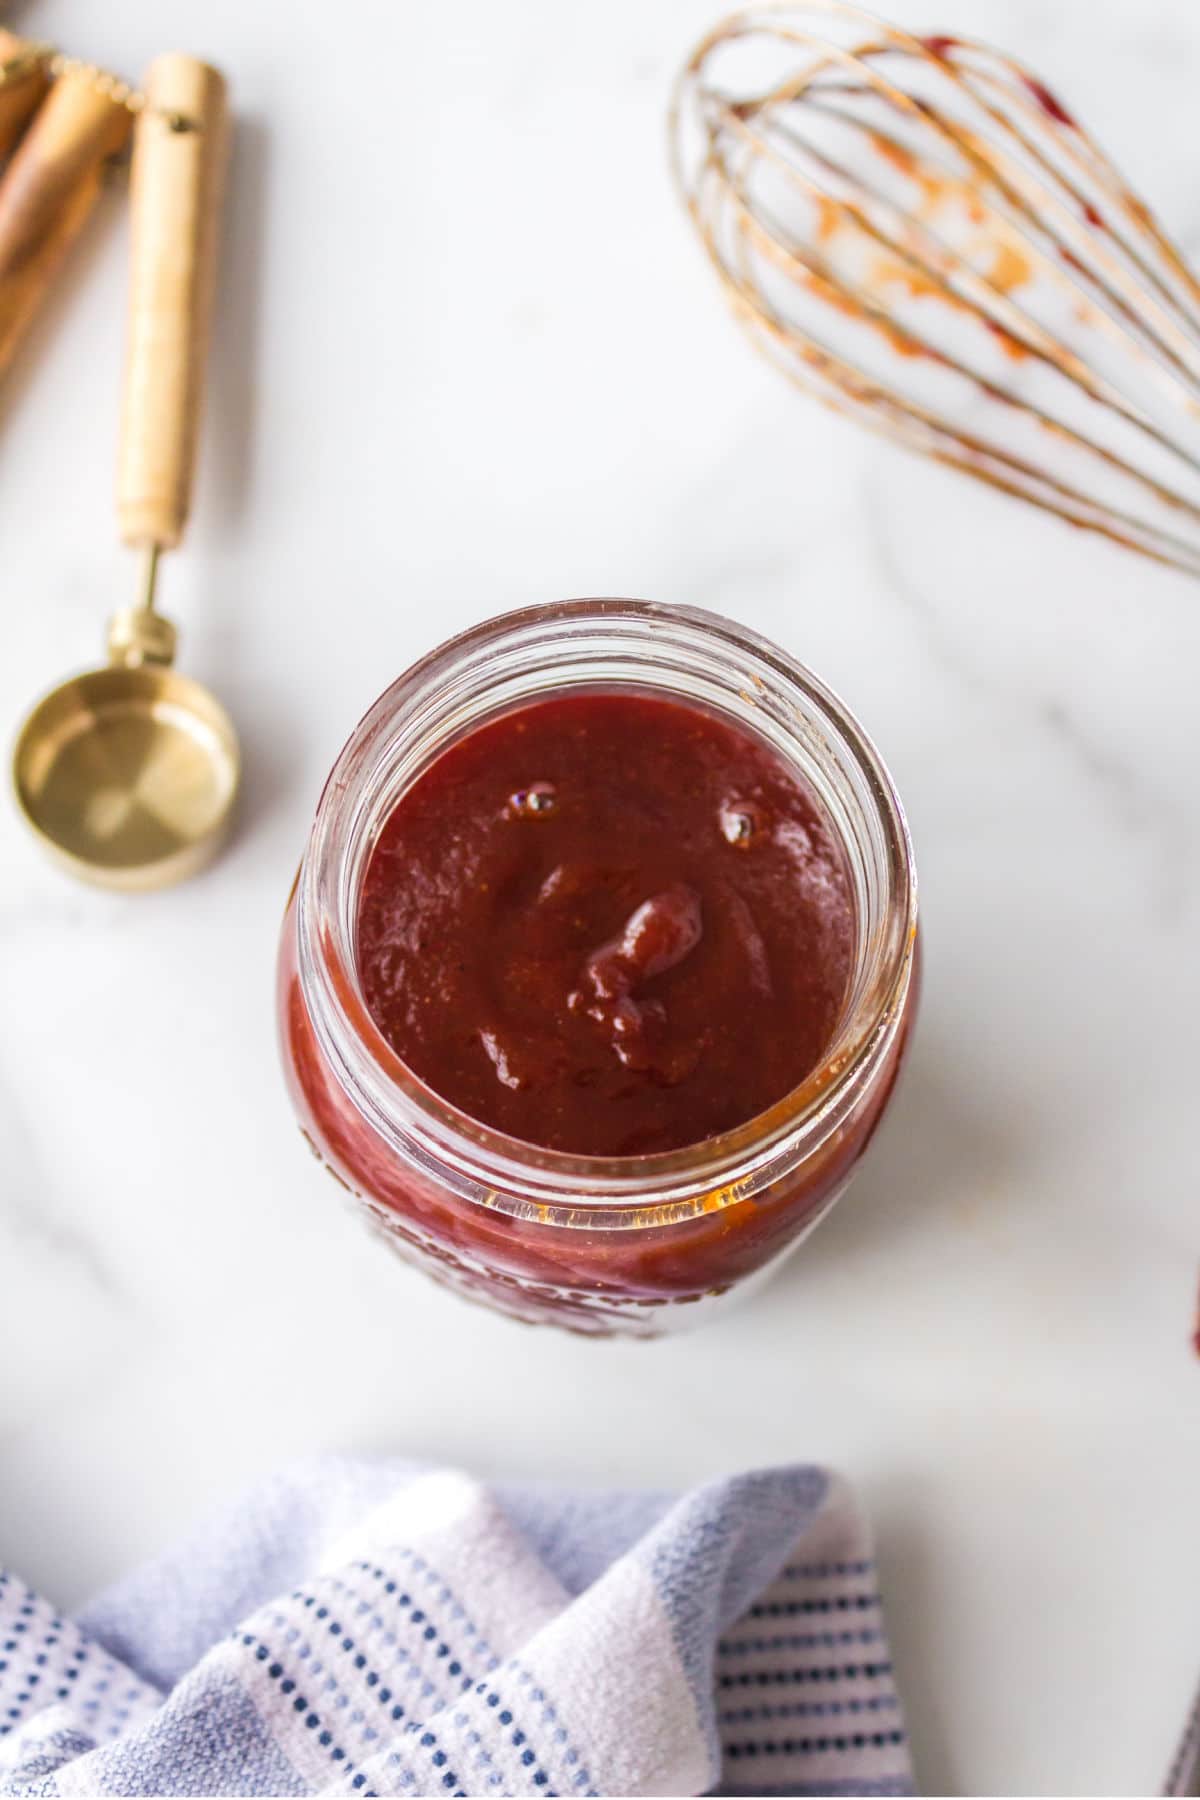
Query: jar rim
<point x="418" y="1122"/>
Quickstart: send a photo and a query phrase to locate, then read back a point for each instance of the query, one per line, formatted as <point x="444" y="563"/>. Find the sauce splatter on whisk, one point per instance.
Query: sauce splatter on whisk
<point x="917" y="230"/>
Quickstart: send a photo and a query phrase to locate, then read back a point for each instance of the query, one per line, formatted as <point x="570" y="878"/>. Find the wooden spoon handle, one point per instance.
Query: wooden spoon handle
<point x="21" y="94"/>
<point x="48" y="190"/>
<point x="178" y="162"/>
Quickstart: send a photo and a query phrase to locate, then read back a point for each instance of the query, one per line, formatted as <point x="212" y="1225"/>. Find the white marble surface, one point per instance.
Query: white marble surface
<point x="468" y="357"/>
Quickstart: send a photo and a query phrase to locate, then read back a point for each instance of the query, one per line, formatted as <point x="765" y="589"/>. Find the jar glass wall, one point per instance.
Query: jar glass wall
<point x="634" y="1244"/>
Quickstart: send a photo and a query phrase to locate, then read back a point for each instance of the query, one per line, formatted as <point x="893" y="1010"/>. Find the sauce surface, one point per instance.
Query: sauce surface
<point x="608" y="924"/>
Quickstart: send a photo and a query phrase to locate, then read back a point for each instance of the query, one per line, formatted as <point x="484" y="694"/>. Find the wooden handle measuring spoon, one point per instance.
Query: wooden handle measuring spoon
<point x="48" y="190"/>
<point x="178" y="165"/>
<point x="128" y="774"/>
<point x="24" y="78"/>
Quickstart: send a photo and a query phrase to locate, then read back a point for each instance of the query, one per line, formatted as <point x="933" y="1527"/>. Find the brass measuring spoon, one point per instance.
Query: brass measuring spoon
<point x="128" y="774"/>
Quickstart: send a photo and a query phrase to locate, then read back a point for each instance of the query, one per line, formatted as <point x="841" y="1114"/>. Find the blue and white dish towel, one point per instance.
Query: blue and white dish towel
<point x="382" y="1629"/>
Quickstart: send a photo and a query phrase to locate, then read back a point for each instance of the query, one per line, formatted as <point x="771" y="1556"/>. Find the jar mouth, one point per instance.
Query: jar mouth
<point x="680" y="652"/>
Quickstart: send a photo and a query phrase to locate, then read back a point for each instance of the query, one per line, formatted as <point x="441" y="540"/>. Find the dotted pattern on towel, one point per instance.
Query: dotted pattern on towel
<point x="60" y="1694"/>
<point x="805" y="1689"/>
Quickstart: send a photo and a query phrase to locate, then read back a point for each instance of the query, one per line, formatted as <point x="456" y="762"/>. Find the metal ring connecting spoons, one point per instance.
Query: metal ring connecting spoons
<point x="128" y="774"/>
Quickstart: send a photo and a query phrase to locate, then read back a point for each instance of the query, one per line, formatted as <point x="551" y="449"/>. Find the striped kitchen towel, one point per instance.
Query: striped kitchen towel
<point x="371" y="1629"/>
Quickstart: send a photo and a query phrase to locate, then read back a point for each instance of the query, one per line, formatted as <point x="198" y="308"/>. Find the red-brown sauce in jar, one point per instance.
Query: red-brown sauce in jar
<point x="608" y="924"/>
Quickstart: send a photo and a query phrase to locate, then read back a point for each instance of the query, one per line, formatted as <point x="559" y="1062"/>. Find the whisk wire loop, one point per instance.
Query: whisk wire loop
<point x="917" y="230"/>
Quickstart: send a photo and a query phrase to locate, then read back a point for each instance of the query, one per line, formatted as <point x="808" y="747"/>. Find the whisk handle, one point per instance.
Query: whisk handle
<point x="178" y="166"/>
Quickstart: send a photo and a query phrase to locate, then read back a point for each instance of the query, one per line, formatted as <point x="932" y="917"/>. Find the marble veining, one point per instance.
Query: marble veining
<point x="467" y="356"/>
<point x="1134" y="803"/>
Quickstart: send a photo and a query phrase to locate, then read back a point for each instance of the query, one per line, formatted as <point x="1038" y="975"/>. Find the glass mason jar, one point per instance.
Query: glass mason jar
<point x="636" y="1244"/>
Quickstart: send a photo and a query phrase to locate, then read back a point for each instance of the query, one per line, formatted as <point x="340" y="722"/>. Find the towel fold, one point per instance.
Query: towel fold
<point x="385" y="1629"/>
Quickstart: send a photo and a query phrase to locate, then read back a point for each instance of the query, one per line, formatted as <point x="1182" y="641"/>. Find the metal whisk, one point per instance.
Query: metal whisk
<point x="918" y="231"/>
